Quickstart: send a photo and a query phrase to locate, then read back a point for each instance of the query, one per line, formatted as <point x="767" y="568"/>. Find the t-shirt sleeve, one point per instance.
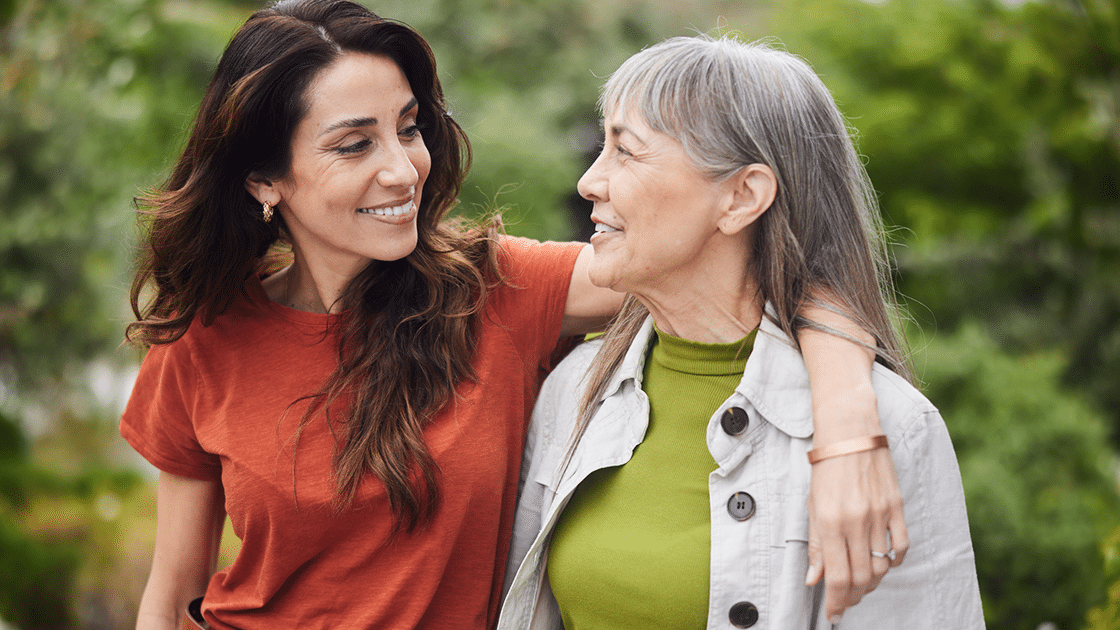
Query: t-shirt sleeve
<point x="539" y="275"/>
<point x="159" y="419"/>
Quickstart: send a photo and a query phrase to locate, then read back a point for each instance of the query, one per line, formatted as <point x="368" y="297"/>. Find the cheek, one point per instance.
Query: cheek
<point x="422" y="162"/>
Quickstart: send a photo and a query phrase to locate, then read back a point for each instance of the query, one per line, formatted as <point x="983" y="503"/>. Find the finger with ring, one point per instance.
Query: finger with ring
<point x="889" y="555"/>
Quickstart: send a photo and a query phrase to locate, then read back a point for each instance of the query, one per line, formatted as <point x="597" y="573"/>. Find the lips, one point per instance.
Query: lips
<point x="390" y="211"/>
<point x="602" y="228"/>
<point x="397" y="208"/>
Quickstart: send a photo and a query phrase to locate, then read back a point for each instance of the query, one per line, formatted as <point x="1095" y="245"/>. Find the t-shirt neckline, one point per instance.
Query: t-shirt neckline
<point x="257" y="295"/>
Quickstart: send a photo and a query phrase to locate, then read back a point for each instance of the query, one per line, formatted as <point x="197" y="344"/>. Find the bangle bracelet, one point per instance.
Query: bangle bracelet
<point x="847" y="447"/>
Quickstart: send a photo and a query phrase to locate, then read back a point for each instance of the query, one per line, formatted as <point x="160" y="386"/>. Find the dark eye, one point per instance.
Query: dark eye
<point x="356" y="147"/>
<point x="410" y="132"/>
<point x="622" y="150"/>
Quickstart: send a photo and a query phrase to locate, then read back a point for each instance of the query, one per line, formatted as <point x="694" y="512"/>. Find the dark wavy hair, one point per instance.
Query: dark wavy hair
<point x="407" y="330"/>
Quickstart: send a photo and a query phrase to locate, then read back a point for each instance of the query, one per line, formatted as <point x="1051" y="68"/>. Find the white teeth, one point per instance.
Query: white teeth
<point x="395" y="211"/>
<point x="603" y="227"/>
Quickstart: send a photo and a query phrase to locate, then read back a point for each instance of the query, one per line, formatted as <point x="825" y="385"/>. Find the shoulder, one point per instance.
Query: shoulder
<point x="243" y="324"/>
<point x="919" y="439"/>
<point x="536" y="278"/>
<point x="557" y="406"/>
<point x="519" y="255"/>
<point x="900" y="403"/>
<point x="570" y="374"/>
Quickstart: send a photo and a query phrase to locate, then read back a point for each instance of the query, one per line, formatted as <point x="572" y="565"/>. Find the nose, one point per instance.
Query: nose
<point x="397" y="170"/>
<point x="592" y="186"/>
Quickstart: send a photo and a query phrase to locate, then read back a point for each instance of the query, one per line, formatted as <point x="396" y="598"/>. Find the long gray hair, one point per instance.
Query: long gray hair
<point x="732" y="104"/>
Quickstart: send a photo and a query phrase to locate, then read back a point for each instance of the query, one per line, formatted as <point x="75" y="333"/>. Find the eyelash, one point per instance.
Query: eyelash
<point x="357" y="147"/>
<point x="409" y="132"/>
<point x="617" y="147"/>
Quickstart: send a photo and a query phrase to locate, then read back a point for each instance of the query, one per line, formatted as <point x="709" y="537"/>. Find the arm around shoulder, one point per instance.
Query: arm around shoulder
<point x="190" y="515"/>
<point x="855" y="500"/>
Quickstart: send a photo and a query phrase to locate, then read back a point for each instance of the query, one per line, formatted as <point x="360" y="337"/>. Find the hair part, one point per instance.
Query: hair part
<point x="731" y="104"/>
<point x="401" y="357"/>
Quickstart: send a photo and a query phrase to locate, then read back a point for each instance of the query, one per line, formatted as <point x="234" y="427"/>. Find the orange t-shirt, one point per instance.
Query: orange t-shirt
<point x="209" y="406"/>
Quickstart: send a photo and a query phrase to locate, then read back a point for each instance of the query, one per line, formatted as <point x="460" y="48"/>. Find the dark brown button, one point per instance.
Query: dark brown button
<point x="743" y="615"/>
<point x="734" y="420"/>
<point x="740" y="506"/>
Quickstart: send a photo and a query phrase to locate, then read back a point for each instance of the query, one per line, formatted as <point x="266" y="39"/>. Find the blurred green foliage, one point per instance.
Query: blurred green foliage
<point x="991" y="130"/>
<point x="34" y="574"/>
<point x="1041" y="487"/>
<point x="993" y="134"/>
<point x="94" y="97"/>
<point x="1107" y="615"/>
<point x="41" y="559"/>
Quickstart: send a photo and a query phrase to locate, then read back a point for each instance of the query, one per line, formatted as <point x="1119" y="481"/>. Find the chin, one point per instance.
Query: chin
<point x="603" y="278"/>
<point x="399" y="251"/>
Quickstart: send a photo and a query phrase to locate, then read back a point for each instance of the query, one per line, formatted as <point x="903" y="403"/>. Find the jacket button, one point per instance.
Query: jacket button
<point x="734" y="420"/>
<point x="741" y="507"/>
<point x="743" y="615"/>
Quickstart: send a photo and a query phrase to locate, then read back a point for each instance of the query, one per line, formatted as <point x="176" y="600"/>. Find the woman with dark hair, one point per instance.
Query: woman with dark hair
<point x="334" y="363"/>
<point x="668" y="466"/>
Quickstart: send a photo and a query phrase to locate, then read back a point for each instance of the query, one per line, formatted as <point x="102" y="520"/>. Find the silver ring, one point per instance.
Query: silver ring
<point x="889" y="555"/>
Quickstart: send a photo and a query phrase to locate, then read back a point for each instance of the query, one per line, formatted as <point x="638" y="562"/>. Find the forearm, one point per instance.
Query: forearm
<point x="156" y="614"/>
<point x="166" y="597"/>
<point x="190" y="517"/>
<point x="854" y="499"/>
<point x="839" y="369"/>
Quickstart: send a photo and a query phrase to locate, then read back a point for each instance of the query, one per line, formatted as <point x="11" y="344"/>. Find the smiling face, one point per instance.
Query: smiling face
<point x="655" y="213"/>
<point x="358" y="167"/>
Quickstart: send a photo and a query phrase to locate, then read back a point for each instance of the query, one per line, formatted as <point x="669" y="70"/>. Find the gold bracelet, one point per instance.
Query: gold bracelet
<point x="847" y="447"/>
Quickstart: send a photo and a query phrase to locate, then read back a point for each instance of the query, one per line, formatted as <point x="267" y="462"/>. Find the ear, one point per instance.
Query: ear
<point x="753" y="190"/>
<point x="262" y="189"/>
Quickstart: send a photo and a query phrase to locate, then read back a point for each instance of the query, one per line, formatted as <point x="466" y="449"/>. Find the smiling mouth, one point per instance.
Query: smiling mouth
<point x="390" y="211"/>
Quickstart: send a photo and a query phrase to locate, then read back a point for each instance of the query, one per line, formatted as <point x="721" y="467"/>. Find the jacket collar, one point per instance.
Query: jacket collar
<point x="775" y="380"/>
<point x="634" y="363"/>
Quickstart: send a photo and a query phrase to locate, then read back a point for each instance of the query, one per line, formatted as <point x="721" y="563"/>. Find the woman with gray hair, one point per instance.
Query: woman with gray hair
<point x="667" y="475"/>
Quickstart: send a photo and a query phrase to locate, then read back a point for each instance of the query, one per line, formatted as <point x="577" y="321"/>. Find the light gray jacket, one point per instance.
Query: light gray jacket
<point x="758" y="565"/>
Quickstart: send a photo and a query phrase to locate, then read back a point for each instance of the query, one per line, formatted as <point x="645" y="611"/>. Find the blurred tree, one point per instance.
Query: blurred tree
<point x="94" y="96"/>
<point x="35" y="575"/>
<point x="1107" y="615"/>
<point x="523" y="78"/>
<point x="42" y="550"/>
<point x="1038" y="476"/>
<point x="992" y="130"/>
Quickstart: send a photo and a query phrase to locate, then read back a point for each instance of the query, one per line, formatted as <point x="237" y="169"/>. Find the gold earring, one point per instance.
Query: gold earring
<point x="267" y="212"/>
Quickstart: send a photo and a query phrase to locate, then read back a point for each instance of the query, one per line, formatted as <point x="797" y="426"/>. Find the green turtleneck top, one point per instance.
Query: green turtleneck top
<point x="631" y="549"/>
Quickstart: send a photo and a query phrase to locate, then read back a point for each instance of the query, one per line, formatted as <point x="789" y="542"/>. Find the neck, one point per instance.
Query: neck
<point x="717" y="304"/>
<point x="305" y="287"/>
<point x="707" y="318"/>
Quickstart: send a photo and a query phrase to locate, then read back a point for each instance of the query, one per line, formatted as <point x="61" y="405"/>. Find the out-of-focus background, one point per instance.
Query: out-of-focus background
<point x="991" y="130"/>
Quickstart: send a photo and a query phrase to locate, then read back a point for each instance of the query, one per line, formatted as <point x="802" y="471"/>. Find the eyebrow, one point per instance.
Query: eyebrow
<point x="618" y="130"/>
<point x="356" y="123"/>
